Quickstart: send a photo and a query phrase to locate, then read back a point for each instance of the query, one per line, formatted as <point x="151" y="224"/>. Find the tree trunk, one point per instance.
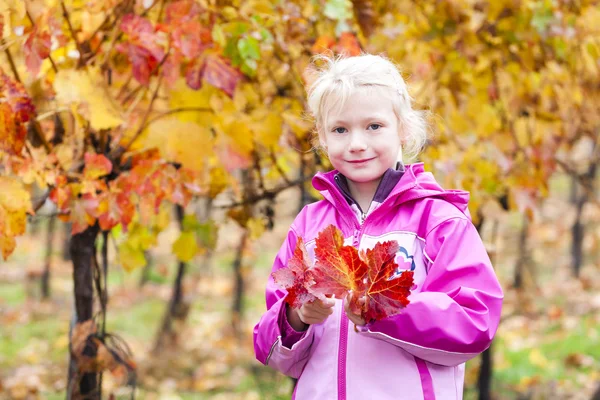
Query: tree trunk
<point x="596" y="395"/>
<point x="147" y="269"/>
<point x="578" y="229"/>
<point x="239" y="287"/>
<point x="83" y="251"/>
<point x="485" y="371"/>
<point x="66" y="251"/>
<point x="484" y="382"/>
<point x="45" y="282"/>
<point x="523" y="254"/>
<point x="177" y="309"/>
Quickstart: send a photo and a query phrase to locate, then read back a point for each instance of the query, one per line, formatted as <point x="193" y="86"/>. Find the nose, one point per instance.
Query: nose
<point x="357" y="142"/>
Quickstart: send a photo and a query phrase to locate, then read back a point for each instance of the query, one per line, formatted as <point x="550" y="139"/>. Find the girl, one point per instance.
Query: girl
<point x="364" y="121"/>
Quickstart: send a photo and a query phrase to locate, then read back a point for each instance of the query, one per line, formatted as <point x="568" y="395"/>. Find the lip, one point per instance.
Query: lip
<point x="361" y="161"/>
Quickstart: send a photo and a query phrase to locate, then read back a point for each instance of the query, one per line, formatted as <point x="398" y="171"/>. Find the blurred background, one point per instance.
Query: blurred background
<point x="155" y="152"/>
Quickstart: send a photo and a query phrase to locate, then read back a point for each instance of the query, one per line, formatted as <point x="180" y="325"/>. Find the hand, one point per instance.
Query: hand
<point x="355" y="318"/>
<point x="310" y="313"/>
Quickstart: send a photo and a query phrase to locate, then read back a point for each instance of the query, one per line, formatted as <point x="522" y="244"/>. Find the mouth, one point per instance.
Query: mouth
<point x="363" y="161"/>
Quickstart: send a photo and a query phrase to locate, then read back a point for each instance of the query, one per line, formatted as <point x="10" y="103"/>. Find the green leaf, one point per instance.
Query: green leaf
<point x="185" y="247"/>
<point x="207" y="234"/>
<point x="338" y="9"/>
<point x="249" y="48"/>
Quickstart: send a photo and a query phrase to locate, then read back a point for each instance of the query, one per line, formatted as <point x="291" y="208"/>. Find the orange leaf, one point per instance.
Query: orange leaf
<point x="96" y="165"/>
<point x="323" y="44"/>
<point x="338" y="268"/>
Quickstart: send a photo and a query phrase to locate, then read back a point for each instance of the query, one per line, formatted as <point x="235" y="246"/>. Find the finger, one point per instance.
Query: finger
<point x="327" y="303"/>
<point x="312" y="313"/>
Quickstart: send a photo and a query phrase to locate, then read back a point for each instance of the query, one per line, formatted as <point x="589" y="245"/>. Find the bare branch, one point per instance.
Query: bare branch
<point x="266" y="195"/>
<point x="68" y="19"/>
<point x="11" y="61"/>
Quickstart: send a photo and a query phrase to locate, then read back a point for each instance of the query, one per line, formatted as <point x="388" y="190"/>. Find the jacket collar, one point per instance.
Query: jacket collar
<point x="389" y="180"/>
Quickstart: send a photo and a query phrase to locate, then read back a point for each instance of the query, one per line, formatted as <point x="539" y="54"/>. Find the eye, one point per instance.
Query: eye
<point x="339" y="130"/>
<point x="374" y="127"/>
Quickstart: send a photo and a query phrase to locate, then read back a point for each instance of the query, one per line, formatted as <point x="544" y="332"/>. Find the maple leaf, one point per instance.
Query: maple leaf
<point x="338" y="268"/>
<point x="36" y="49"/>
<point x="294" y="277"/>
<point x="96" y="165"/>
<point x="384" y="296"/>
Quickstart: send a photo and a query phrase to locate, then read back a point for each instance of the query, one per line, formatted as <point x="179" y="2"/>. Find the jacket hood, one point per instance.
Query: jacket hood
<point x="416" y="183"/>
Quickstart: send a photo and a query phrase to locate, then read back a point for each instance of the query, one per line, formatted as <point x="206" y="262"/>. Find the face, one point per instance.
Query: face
<point x="362" y="139"/>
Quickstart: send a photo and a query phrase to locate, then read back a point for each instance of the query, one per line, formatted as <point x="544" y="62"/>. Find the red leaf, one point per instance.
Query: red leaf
<point x="294" y="277"/>
<point x="96" y="165"/>
<point x="189" y="38"/>
<point x="134" y="25"/>
<point x="220" y="74"/>
<point x="338" y="268"/>
<point x="36" y="49"/>
<point x="17" y="97"/>
<point x="384" y="296"/>
<point x="182" y="10"/>
<point x="143" y="48"/>
<point x="194" y="73"/>
<point x="214" y="70"/>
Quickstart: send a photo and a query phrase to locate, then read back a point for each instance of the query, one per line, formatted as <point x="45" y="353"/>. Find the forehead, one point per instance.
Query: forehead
<point x="359" y="103"/>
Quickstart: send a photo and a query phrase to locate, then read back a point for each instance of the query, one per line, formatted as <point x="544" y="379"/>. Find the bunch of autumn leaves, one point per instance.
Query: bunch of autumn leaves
<point x="339" y="269"/>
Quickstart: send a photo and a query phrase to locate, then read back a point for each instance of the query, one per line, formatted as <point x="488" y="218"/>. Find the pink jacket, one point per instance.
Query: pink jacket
<point x="419" y="354"/>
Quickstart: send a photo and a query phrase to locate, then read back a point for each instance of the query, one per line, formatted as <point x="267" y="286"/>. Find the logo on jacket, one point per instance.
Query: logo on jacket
<point x="405" y="262"/>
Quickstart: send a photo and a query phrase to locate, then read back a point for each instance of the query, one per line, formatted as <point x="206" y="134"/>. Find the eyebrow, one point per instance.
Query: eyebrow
<point x="374" y="117"/>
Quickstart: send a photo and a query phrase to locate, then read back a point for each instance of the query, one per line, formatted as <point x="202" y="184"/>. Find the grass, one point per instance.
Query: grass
<point x="12" y="294"/>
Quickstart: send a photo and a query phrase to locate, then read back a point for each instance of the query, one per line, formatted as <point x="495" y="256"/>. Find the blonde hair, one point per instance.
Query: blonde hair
<point x="340" y="76"/>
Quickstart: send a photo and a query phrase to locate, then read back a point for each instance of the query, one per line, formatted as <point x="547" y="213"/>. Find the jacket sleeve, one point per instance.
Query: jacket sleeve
<point x="276" y="343"/>
<point x="455" y="315"/>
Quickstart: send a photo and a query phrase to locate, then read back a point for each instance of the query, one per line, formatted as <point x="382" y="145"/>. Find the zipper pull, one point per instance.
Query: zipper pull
<point x="362" y="218"/>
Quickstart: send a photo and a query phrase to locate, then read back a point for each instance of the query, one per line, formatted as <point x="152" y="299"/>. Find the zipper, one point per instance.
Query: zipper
<point x="342" y="356"/>
<point x="343" y="343"/>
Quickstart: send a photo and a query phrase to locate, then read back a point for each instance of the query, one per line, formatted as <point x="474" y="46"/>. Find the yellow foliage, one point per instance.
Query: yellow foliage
<point x="87" y="87"/>
<point x="181" y="141"/>
<point x="185" y="247"/>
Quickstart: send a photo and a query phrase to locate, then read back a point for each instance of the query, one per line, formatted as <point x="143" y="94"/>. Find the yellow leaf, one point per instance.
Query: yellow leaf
<point x="78" y="86"/>
<point x="13" y="196"/>
<point x="7" y="245"/>
<point x="181" y="141"/>
<point x="267" y="127"/>
<point x="131" y="257"/>
<point x="185" y="247"/>
<point x="256" y="226"/>
<point x="182" y="97"/>
<point x="537" y="359"/>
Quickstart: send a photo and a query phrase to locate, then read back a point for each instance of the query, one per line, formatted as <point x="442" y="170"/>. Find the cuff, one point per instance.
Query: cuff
<point x="289" y="336"/>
